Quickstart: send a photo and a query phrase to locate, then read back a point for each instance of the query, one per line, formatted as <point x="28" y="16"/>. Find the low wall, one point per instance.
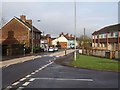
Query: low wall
<point x="103" y="53"/>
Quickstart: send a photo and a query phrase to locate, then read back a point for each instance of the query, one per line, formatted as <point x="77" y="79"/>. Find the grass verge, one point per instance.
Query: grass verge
<point x="90" y="62"/>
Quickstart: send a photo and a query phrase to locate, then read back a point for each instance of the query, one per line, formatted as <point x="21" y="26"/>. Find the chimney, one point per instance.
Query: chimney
<point x="74" y="36"/>
<point x="70" y="35"/>
<point x="23" y="17"/>
<point x="29" y="21"/>
<point x="67" y="35"/>
<point x="62" y="33"/>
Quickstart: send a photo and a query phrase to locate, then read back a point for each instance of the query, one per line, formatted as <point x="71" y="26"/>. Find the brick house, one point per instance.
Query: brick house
<point x="19" y="31"/>
<point x="107" y="38"/>
<point x="62" y="40"/>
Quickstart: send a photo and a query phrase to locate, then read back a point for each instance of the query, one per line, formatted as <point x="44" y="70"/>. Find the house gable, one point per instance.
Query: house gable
<point x="17" y="20"/>
<point x="62" y="39"/>
<point x="20" y="32"/>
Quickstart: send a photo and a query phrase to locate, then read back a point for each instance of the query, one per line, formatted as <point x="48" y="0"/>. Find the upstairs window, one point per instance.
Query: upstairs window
<point x="112" y="34"/>
<point x="115" y="34"/>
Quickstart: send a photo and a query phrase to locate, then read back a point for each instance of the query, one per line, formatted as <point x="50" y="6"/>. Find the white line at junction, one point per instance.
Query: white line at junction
<point x="64" y="79"/>
<point x="20" y="88"/>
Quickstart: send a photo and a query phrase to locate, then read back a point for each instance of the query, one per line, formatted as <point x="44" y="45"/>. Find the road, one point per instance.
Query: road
<point x="45" y="73"/>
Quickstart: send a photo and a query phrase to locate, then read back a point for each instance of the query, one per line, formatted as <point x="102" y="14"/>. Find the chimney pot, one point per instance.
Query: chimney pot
<point x="23" y="17"/>
<point x="70" y="35"/>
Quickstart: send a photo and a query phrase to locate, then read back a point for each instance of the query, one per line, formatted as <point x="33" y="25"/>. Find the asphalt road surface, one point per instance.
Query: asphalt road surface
<point x="45" y="73"/>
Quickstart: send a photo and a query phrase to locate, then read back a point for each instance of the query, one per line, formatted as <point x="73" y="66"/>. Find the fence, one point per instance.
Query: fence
<point x="12" y="50"/>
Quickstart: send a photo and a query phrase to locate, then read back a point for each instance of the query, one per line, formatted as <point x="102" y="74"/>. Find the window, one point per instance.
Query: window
<point x="102" y="35"/>
<point x="112" y="34"/>
<point x="115" y="34"/>
<point x="109" y="35"/>
<point x="95" y="36"/>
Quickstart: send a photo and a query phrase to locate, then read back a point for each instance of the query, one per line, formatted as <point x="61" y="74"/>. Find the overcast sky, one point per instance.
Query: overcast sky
<point x="57" y="17"/>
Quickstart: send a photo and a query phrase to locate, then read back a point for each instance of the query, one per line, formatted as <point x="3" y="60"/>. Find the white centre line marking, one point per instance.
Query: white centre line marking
<point x="7" y="65"/>
<point x="28" y="76"/>
<point x="8" y="87"/>
<point x="26" y="83"/>
<point x="44" y="55"/>
<point x="32" y="79"/>
<point x="33" y="73"/>
<point x="15" y="83"/>
<point x="22" y="79"/>
<point x="49" y="60"/>
<point x="37" y="71"/>
<point x="54" y="58"/>
<point x="45" y="65"/>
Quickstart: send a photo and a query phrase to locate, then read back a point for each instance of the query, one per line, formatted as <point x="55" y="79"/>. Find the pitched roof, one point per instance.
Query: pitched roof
<point x="112" y="28"/>
<point x="68" y="38"/>
<point x="29" y="25"/>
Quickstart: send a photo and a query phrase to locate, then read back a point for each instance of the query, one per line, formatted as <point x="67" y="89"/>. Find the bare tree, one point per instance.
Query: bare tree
<point x="85" y="42"/>
<point x="2" y="21"/>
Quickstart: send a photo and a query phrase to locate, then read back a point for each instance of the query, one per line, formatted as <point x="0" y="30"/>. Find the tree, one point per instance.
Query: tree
<point x="58" y="45"/>
<point x="85" y="42"/>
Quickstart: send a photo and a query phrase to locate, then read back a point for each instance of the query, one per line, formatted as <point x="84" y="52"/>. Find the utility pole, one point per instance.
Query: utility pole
<point x="32" y="40"/>
<point x="84" y="36"/>
<point x="84" y="41"/>
<point x="84" y="32"/>
<point x="43" y="33"/>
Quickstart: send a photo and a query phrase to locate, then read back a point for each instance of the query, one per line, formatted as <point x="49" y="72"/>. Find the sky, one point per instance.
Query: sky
<point x="57" y="17"/>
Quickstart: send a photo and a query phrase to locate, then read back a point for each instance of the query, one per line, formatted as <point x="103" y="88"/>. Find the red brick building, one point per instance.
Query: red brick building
<point x="19" y="31"/>
<point x="107" y="38"/>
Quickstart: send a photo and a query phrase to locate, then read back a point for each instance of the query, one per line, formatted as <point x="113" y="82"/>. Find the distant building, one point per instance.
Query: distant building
<point x="107" y="38"/>
<point x="64" y="40"/>
<point x="46" y="42"/>
<point x="19" y="31"/>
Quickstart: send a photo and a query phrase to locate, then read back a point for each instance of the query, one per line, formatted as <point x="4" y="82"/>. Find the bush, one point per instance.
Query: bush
<point x="38" y="49"/>
<point x="59" y="46"/>
<point x="27" y="50"/>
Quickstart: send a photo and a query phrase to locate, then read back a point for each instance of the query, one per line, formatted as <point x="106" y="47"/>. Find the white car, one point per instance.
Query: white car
<point x="51" y="49"/>
<point x="56" y="48"/>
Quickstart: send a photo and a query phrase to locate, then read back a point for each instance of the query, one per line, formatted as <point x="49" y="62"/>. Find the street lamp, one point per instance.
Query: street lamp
<point x="32" y="38"/>
<point x="75" y="28"/>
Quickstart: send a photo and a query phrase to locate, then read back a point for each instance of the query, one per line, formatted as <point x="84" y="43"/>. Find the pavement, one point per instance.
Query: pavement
<point x="27" y="58"/>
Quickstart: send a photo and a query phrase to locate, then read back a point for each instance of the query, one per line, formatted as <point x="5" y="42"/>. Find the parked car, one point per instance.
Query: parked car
<point x="51" y="49"/>
<point x="56" y="48"/>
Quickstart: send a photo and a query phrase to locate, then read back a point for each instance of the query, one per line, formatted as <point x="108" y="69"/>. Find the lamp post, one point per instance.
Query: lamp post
<point x="75" y="28"/>
<point x="33" y="38"/>
<point x="32" y="41"/>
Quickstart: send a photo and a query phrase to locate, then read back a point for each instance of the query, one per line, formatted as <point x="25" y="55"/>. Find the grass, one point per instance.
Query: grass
<point x="96" y="63"/>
